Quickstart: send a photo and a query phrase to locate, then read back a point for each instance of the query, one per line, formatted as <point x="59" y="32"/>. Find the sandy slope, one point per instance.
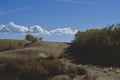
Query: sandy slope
<point x="100" y="73"/>
<point x="58" y="48"/>
<point x="36" y="48"/>
<point x="105" y="73"/>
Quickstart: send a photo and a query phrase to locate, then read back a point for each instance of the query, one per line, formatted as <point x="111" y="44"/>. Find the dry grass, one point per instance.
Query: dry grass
<point x="28" y="68"/>
<point x="52" y="49"/>
<point x="39" y="63"/>
<point x="90" y="76"/>
<point x="30" y="52"/>
<point x="36" y="69"/>
<point x="6" y="45"/>
<point x="60" y="77"/>
<point x="49" y="47"/>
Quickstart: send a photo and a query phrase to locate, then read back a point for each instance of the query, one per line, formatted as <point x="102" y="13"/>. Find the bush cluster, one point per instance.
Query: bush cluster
<point x="97" y="46"/>
<point x="30" y="37"/>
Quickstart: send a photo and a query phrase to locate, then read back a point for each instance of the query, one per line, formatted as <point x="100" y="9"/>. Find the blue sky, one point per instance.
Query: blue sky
<point x="55" y="20"/>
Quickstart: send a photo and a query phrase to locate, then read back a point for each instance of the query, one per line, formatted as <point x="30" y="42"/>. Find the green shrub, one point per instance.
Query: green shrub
<point x="30" y="37"/>
<point x="97" y="46"/>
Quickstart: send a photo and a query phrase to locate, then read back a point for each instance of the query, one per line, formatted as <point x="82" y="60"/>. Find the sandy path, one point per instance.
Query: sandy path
<point x="104" y="73"/>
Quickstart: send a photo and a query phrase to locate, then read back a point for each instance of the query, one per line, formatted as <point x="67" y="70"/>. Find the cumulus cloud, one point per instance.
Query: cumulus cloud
<point x="3" y="28"/>
<point x="17" y="28"/>
<point x="36" y="29"/>
<point x="61" y="31"/>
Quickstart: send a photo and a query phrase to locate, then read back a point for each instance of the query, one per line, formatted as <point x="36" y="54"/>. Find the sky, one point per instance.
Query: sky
<point x="55" y="20"/>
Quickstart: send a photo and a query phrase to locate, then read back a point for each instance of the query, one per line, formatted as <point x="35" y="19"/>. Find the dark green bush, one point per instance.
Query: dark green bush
<point x="30" y="37"/>
<point x="97" y="46"/>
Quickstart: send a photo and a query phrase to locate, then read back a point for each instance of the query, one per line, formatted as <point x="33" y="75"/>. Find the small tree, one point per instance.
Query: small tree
<point x="29" y="37"/>
<point x="40" y="38"/>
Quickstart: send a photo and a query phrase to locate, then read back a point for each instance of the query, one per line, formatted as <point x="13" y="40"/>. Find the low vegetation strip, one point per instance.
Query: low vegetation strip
<point x="37" y="69"/>
<point x="6" y="45"/>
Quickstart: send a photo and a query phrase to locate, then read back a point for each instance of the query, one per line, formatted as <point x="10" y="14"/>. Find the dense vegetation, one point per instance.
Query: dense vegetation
<point x="30" y="37"/>
<point x="97" y="46"/>
<point x="6" y="45"/>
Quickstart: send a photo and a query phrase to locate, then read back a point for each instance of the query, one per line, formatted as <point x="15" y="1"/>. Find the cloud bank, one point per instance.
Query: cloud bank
<point x="63" y="31"/>
<point x="36" y="29"/>
<point x="17" y="28"/>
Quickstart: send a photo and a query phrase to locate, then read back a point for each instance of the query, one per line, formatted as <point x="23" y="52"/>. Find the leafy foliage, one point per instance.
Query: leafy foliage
<point x="30" y="37"/>
<point x="97" y="46"/>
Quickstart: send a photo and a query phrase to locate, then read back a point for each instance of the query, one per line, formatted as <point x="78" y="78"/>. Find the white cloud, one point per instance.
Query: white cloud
<point x="3" y="28"/>
<point x="17" y="28"/>
<point x="36" y="29"/>
<point x="60" y="31"/>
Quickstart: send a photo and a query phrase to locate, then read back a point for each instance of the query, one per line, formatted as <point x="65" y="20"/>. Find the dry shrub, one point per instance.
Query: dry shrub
<point x="91" y="76"/>
<point x="53" y="56"/>
<point x="71" y="68"/>
<point x="82" y="71"/>
<point x="60" y="77"/>
<point x="11" y="44"/>
<point x="22" y="68"/>
<point x="30" y="68"/>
